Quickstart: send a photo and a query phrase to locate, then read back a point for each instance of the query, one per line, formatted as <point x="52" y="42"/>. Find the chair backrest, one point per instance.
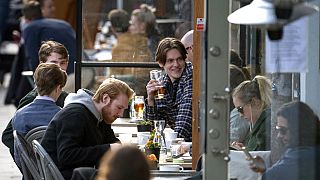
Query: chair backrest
<point x="50" y="170"/>
<point x="26" y="157"/>
<point x="35" y="134"/>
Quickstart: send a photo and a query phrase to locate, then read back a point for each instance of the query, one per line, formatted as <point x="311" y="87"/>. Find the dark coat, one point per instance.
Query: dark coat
<point x="75" y="138"/>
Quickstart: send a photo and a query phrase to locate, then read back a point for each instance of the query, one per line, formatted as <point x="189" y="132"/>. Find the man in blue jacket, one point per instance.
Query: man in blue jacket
<point x="41" y="29"/>
<point x="49" y="79"/>
<point x="50" y="52"/>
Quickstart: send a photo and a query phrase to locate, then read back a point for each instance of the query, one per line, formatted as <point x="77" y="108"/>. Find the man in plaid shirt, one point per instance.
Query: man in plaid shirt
<point x="176" y="106"/>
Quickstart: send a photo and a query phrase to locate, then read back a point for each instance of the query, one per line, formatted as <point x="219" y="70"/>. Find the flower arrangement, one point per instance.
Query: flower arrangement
<point x="152" y="147"/>
<point x="152" y="157"/>
<point x="150" y="144"/>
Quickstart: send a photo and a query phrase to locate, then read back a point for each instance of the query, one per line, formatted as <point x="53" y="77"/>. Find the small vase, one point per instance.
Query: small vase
<point x="155" y="151"/>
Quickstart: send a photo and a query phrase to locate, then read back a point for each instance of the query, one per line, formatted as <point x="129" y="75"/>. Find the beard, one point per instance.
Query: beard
<point x="107" y="114"/>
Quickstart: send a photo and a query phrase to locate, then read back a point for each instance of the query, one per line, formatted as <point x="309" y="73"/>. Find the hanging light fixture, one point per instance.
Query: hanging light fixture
<point x="271" y="15"/>
<point x="264" y="13"/>
<point x="257" y="13"/>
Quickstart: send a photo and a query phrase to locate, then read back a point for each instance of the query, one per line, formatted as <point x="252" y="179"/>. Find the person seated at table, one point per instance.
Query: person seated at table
<point x="187" y="41"/>
<point x="49" y="52"/>
<point x="143" y="21"/>
<point x="81" y="132"/>
<point x="41" y="29"/>
<point x="298" y="129"/>
<point x="176" y="106"/>
<point x="49" y="79"/>
<point x="125" y="163"/>
<point x="129" y="48"/>
<point x="252" y="99"/>
<point x="239" y="127"/>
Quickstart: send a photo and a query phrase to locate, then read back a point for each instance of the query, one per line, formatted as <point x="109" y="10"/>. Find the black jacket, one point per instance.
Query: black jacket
<point x="75" y="138"/>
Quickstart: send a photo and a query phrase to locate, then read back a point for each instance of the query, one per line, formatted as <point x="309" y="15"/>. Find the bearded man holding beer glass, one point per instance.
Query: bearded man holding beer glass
<point x="175" y="105"/>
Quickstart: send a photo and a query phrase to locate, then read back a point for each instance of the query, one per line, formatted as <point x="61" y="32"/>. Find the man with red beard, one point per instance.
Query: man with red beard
<point x="176" y="105"/>
<point x="81" y="132"/>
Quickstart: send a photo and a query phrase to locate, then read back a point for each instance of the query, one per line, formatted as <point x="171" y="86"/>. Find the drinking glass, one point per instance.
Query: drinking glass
<point x="138" y="106"/>
<point x="158" y="76"/>
<point x="158" y="135"/>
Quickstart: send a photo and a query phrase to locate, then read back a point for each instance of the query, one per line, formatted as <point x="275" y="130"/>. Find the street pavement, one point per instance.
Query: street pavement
<point x="8" y="169"/>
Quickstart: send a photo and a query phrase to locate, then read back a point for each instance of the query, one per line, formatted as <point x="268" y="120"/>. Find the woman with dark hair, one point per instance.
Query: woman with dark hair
<point x="298" y="129"/>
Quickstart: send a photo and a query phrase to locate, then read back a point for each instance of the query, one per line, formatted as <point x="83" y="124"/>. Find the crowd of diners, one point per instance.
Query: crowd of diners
<point x="79" y="137"/>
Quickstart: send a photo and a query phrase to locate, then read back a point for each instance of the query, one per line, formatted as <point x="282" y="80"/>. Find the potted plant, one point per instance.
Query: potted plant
<point x="144" y="126"/>
<point x="152" y="147"/>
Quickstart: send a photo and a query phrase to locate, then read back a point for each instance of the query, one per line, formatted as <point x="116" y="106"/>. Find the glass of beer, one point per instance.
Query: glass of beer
<point x="158" y="76"/>
<point x="138" y="107"/>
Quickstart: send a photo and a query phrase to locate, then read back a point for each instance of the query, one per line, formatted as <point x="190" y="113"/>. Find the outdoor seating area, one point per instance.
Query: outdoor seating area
<point x="154" y="90"/>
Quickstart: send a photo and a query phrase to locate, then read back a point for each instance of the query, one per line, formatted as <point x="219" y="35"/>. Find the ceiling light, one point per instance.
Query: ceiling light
<point x="261" y="13"/>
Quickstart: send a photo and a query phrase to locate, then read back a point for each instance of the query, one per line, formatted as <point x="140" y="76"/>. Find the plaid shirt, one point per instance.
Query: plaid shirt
<point x="176" y="106"/>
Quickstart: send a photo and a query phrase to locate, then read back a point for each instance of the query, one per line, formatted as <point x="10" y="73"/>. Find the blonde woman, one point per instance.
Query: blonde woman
<point x="252" y="100"/>
<point x="143" y="21"/>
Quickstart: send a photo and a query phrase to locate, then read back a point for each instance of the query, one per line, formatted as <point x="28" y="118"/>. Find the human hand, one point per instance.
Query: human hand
<point x="237" y="145"/>
<point x="257" y="164"/>
<point x="184" y="148"/>
<point x="152" y="87"/>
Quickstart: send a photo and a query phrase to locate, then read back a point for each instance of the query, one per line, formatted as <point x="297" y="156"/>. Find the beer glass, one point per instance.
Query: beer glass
<point x="158" y="76"/>
<point x="138" y="106"/>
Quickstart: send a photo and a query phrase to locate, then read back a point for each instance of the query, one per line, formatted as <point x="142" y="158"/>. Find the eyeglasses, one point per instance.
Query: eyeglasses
<point x="282" y="130"/>
<point x="240" y="109"/>
<point x="190" y="47"/>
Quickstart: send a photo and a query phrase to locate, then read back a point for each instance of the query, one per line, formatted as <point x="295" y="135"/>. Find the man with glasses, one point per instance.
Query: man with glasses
<point x="187" y="41"/>
<point x="176" y="105"/>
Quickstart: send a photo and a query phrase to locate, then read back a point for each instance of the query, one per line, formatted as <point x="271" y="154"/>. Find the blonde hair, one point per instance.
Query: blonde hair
<point x="113" y="87"/>
<point x="259" y="87"/>
<point x="145" y="14"/>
